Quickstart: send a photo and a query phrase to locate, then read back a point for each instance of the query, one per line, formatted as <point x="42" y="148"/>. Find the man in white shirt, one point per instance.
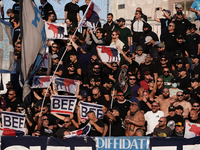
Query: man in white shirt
<point x="115" y="39"/>
<point x="140" y="56"/>
<point x="152" y="117"/>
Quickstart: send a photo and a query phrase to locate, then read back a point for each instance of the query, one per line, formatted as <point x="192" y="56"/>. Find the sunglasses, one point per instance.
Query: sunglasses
<point x="43" y="109"/>
<point x="8" y="84"/>
<point x="136" y="13"/>
<point x="154" y="105"/>
<point x="176" y="8"/>
<point x="179" y="95"/>
<point x="95" y="94"/>
<point x="132" y="78"/>
<point x="7" y="12"/>
<point x="163" y="60"/>
<point x="98" y="32"/>
<point x="120" y="95"/>
<point x="114" y="66"/>
<point x="170" y="25"/>
<point x="166" y="71"/>
<point x="18" y="46"/>
<point x="96" y="68"/>
<point x="66" y="121"/>
<point x="45" y="119"/>
<point x="133" y="104"/>
<point x="113" y="34"/>
<point x="160" y="121"/>
<point x="10" y="94"/>
<point x="54" y="46"/>
<point x="196" y="106"/>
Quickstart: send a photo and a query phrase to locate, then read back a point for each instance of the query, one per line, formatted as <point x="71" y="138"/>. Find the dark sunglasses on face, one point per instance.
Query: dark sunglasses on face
<point x="10" y="94"/>
<point x="160" y="121"/>
<point x="154" y="105"/>
<point x="66" y="121"/>
<point x="54" y="46"/>
<point x="45" y="119"/>
<point x="133" y="104"/>
<point x="132" y="78"/>
<point x="165" y="91"/>
<point x="166" y="71"/>
<point x="94" y="94"/>
<point x="120" y="95"/>
<point x="179" y="95"/>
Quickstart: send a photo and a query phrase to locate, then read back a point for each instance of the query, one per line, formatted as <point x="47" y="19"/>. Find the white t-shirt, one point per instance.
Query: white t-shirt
<point x="174" y="91"/>
<point x="152" y="120"/>
<point x="141" y="58"/>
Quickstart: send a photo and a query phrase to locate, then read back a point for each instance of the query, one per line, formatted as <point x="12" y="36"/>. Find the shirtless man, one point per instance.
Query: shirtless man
<point x="134" y="121"/>
<point x="186" y="105"/>
<point x="165" y="101"/>
<point x="140" y="94"/>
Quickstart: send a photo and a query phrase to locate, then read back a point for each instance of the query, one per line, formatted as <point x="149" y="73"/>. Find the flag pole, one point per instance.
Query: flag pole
<point x="111" y="108"/>
<point x="63" y="55"/>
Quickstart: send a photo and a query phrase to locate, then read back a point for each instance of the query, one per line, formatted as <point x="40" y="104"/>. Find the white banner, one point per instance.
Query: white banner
<point x="63" y="104"/>
<point x="41" y="81"/>
<point x="56" y="30"/>
<point x="45" y="62"/>
<point x="13" y="120"/>
<point x="85" y="107"/>
<point x="191" y="130"/>
<point x="108" y="53"/>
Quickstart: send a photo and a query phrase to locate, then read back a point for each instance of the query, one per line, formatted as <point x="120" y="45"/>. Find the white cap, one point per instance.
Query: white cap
<point x="178" y="6"/>
<point x="148" y="39"/>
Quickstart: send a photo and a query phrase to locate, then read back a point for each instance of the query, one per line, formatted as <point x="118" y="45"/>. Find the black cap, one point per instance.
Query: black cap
<point x="121" y="19"/>
<point x="173" y="80"/>
<point x="179" y="12"/>
<point x="23" y="105"/>
<point x="193" y="26"/>
<point x="182" y="69"/>
<point x="186" y="91"/>
<point x="125" y="48"/>
<point x="129" y="54"/>
<point x="177" y="54"/>
<point x="108" y="81"/>
<point x="171" y="108"/>
<point x="179" y="107"/>
<point x="194" y="80"/>
<point x="72" y="26"/>
<point x="84" y="93"/>
<point x="150" y="80"/>
<point x="163" y="56"/>
<point x="97" y="79"/>
<point x="179" y="61"/>
<point x="180" y="37"/>
<point x="194" y="56"/>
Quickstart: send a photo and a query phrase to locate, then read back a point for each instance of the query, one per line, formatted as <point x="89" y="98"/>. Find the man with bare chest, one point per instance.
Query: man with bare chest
<point x="186" y="105"/>
<point x="165" y="101"/>
<point x="134" y="121"/>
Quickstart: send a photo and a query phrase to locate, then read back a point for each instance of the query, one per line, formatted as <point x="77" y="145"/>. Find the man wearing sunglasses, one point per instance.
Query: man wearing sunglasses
<point x="163" y="130"/>
<point x="115" y="39"/>
<point x="166" y="77"/>
<point x="177" y="8"/>
<point x="186" y="105"/>
<point x="134" y="121"/>
<point x="152" y="117"/>
<point x="134" y="86"/>
<point x="12" y="101"/>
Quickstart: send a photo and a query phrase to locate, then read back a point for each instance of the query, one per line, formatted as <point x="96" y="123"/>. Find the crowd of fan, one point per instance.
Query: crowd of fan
<point x="163" y="76"/>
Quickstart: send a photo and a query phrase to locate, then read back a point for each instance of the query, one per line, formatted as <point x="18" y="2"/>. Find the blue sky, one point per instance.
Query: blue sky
<point x="59" y="8"/>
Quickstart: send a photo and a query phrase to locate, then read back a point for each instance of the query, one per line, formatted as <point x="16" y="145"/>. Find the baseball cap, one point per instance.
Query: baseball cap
<point x="177" y="54"/>
<point x="84" y="93"/>
<point x="180" y="36"/>
<point x="178" y="6"/>
<point x="72" y="26"/>
<point x="173" y="80"/>
<point x="161" y="45"/>
<point x="179" y="107"/>
<point x="186" y="91"/>
<point x="193" y="26"/>
<point x="182" y="69"/>
<point x="97" y="79"/>
<point x="171" y="108"/>
<point x="147" y="72"/>
<point x="139" y="48"/>
<point x="163" y="56"/>
<point x="179" y="124"/>
<point x="121" y="19"/>
<point x="194" y="56"/>
<point x="23" y="105"/>
<point x="54" y="56"/>
<point x="147" y="39"/>
<point x="179" y="12"/>
<point x="168" y="12"/>
<point x="125" y="48"/>
<point x="194" y="80"/>
<point x="129" y="54"/>
<point x="179" y="61"/>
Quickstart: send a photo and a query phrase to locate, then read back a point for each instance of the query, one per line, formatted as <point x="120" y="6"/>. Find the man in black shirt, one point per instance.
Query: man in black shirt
<point x="183" y="79"/>
<point x="122" y="104"/>
<point x="117" y="125"/>
<point x="45" y="9"/>
<point x="108" y="28"/>
<point x="193" y="41"/>
<point x="13" y="101"/>
<point x="196" y="88"/>
<point x="98" y="98"/>
<point x="72" y="11"/>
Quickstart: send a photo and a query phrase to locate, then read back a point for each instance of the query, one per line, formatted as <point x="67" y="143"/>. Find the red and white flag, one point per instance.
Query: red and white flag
<point x="191" y="130"/>
<point x="91" y="17"/>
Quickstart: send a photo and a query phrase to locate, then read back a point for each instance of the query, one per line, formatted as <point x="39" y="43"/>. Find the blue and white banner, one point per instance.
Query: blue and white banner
<point x="45" y="62"/>
<point x="174" y="143"/>
<point x="63" y="104"/>
<point x="122" y="143"/>
<point x="13" y="120"/>
<point x="23" y="143"/>
<point x="6" y="49"/>
<point x="91" y="17"/>
<point x="85" y="107"/>
<point x="108" y="53"/>
<point x="56" y="30"/>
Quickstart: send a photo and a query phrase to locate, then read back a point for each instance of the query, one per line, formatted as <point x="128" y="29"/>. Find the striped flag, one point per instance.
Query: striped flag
<point x="91" y="17"/>
<point x="10" y="132"/>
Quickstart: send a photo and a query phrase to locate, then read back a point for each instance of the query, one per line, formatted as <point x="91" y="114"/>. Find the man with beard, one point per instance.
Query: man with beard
<point x="98" y="97"/>
<point x="165" y="101"/>
<point x="186" y="105"/>
<point x="160" y="86"/>
<point x="162" y="51"/>
<point x="179" y="130"/>
<point x="194" y="116"/>
<point x="196" y="88"/>
<point x="187" y="96"/>
<point x="109" y="27"/>
<point x="115" y="39"/>
<point x="166" y="77"/>
<point x="152" y="117"/>
<point x="163" y="130"/>
<point x="134" y="121"/>
<point x="134" y="87"/>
